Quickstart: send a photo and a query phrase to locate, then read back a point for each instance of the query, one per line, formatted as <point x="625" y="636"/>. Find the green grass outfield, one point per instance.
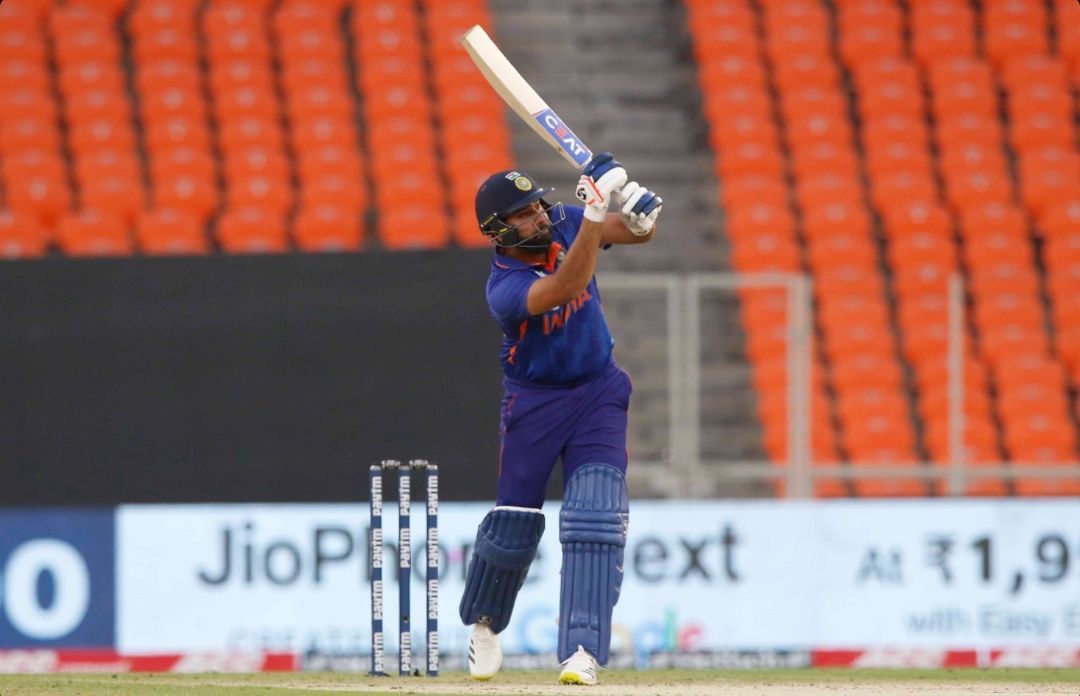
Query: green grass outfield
<point x="656" y="682"/>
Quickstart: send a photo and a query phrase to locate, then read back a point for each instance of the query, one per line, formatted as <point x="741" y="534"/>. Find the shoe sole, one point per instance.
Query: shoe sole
<point x="573" y="678"/>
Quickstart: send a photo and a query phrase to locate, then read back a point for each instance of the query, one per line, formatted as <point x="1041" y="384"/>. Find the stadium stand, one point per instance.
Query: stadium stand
<point x="880" y="146"/>
<point x="241" y="126"/>
<point x="866" y="161"/>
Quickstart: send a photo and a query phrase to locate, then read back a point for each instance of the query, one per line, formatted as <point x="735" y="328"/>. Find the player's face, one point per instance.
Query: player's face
<point x="532" y="221"/>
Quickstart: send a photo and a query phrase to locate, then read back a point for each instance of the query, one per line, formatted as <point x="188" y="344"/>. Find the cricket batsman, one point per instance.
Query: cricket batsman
<point x="565" y="398"/>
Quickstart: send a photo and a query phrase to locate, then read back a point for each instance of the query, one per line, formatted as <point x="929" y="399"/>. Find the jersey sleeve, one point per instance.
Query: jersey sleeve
<point x="507" y="294"/>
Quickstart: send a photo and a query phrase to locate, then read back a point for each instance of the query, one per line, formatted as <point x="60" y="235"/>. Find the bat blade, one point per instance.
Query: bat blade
<point x="519" y="95"/>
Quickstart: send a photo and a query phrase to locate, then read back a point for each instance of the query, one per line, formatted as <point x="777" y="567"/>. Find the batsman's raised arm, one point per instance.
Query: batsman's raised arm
<point x="635" y="222"/>
<point x="599" y="184"/>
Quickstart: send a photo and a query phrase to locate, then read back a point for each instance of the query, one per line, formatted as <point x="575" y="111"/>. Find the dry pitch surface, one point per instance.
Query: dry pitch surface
<point x="624" y="683"/>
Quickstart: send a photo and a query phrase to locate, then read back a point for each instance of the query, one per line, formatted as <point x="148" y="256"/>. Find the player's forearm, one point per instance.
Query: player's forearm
<point x="578" y="267"/>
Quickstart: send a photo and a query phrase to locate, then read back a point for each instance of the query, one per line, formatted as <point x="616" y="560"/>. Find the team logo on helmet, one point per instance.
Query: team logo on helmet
<point x="523" y="183"/>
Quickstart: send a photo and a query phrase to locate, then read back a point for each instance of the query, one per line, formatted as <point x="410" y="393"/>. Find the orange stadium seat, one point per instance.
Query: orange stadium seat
<point x="93" y="233"/>
<point x="810" y="16"/>
<point x="269" y="193"/>
<point x="888" y="128"/>
<point x="327" y="227"/>
<point x="1012" y="38"/>
<point x="33" y="133"/>
<point x="908" y="250"/>
<point x="899" y="157"/>
<point x="988" y="217"/>
<point x="941" y="30"/>
<point x="334" y="189"/>
<point x="191" y="192"/>
<point x="729" y="134"/>
<point x="967" y="129"/>
<point x="147" y="15"/>
<point x="887" y="487"/>
<point x="753" y="190"/>
<point x="703" y="13"/>
<point x="834" y="218"/>
<point x="1045" y="187"/>
<point x="21" y="74"/>
<point x="750" y="159"/>
<point x="236" y="73"/>
<point x="380" y="41"/>
<point x="172" y="101"/>
<point x="737" y="100"/>
<point x="21" y="236"/>
<point x="301" y="16"/>
<point x="182" y="161"/>
<point x="23" y="41"/>
<point x="1040" y="98"/>
<point x="43" y="195"/>
<point x="85" y="76"/>
<point x="819" y="191"/>
<point x="86" y="43"/>
<point x="855" y="338"/>
<point x="1010" y="276"/>
<point x="255" y="161"/>
<point x="752" y="220"/>
<point x="731" y="71"/>
<point x="117" y="195"/>
<point x="329" y="160"/>
<point x="1040" y="129"/>
<point x="1061" y="218"/>
<point x="986" y="248"/>
<point x="28" y="14"/>
<point x="933" y="403"/>
<point x="1068" y="34"/>
<point x="167" y="43"/>
<point x="968" y="188"/>
<point x="311" y="102"/>
<point x="23" y="164"/>
<point x="251" y="230"/>
<point x="842" y="246"/>
<point x="161" y="76"/>
<point x="311" y="73"/>
<point x="413" y="227"/>
<point x="872" y="370"/>
<point x="824" y="159"/>
<point x="242" y="133"/>
<point x="170" y="232"/>
<point x="720" y="40"/>
<point x="765" y="252"/>
<point x="176" y="132"/>
<point x="917" y="215"/>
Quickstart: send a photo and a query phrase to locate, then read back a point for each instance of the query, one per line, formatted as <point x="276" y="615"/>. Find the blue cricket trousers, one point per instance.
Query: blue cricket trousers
<point x="584" y="423"/>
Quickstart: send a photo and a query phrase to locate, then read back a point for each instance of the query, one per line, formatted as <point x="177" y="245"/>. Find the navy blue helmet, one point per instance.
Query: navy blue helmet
<point x="502" y="194"/>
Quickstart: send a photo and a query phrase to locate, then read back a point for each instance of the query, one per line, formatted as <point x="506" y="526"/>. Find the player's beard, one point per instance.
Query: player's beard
<point x="540" y="240"/>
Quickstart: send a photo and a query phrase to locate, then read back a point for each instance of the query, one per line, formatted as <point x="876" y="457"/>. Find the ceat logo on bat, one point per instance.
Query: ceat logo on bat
<point x="564" y="136"/>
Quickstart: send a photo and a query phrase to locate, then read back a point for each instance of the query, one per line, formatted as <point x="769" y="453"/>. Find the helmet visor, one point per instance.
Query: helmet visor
<point x="537" y="229"/>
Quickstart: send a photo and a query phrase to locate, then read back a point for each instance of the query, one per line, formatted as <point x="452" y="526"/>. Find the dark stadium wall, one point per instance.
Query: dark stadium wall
<point x="235" y="379"/>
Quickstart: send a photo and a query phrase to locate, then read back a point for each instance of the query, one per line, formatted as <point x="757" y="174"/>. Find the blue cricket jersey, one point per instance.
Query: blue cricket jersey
<point x="565" y="345"/>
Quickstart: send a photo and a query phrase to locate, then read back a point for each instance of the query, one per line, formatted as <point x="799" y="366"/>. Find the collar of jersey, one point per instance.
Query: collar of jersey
<point x="504" y="261"/>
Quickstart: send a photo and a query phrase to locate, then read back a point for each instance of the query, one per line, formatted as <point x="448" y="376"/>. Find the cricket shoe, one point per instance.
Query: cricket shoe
<point x="485" y="652"/>
<point x="579" y="669"/>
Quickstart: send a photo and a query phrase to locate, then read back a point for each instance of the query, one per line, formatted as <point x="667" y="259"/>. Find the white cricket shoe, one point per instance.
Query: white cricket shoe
<point x="485" y="652"/>
<point x="579" y="669"/>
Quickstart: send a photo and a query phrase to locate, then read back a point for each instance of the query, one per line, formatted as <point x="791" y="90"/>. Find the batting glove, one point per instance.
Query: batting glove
<point x="599" y="181"/>
<point x="640" y="208"/>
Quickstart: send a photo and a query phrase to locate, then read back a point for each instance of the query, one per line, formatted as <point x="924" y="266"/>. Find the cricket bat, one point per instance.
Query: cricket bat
<point x="522" y="98"/>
